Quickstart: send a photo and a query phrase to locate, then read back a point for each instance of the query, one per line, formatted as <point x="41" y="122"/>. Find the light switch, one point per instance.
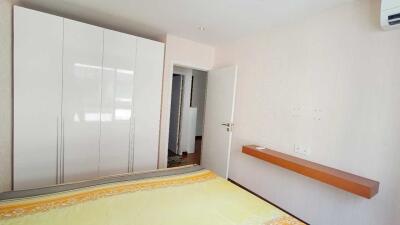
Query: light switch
<point x="302" y="150"/>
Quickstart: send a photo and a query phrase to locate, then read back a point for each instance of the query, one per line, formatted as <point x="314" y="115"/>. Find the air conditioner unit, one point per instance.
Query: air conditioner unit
<point x="390" y="14"/>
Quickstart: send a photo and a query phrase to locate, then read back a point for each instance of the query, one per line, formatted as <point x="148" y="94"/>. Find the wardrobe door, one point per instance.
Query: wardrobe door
<point x="147" y="103"/>
<point x="82" y="69"/>
<point x="117" y="91"/>
<point x="37" y="97"/>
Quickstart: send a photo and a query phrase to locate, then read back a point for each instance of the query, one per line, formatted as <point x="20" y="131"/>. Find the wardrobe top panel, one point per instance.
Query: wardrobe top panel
<point x="24" y="8"/>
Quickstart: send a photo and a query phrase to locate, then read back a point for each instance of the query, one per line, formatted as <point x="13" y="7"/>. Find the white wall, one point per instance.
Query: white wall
<point x="198" y="98"/>
<point x="5" y="94"/>
<point x="181" y="52"/>
<point x="343" y="64"/>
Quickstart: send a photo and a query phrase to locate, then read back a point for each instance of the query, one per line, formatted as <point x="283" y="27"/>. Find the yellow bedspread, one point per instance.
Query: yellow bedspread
<point x="194" y="198"/>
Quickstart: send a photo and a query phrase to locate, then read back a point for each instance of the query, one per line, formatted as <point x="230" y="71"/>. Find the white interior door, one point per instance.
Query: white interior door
<point x="117" y="91"/>
<point x="82" y="69"/>
<point x="218" y="120"/>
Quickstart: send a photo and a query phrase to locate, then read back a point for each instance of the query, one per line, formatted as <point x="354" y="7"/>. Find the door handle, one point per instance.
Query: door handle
<point x="229" y="126"/>
<point x="62" y="151"/>
<point x="57" y="156"/>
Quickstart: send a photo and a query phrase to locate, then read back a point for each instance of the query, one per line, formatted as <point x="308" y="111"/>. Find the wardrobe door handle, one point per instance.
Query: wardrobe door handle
<point x="62" y="150"/>
<point x="57" y="154"/>
<point x="131" y="141"/>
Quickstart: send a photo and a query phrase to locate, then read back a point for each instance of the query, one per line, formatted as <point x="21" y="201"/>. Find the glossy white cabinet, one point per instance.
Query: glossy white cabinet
<point x="147" y="103"/>
<point x="82" y="75"/>
<point x="116" y="110"/>
<point x="37" y="97"/>
<point x="87" y="101"/>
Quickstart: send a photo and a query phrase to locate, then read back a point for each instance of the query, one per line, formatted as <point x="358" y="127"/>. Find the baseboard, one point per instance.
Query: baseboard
<point x="241" y="186"/>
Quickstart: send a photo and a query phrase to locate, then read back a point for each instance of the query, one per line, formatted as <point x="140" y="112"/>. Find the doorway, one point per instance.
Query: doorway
<point x="188" y="98"/>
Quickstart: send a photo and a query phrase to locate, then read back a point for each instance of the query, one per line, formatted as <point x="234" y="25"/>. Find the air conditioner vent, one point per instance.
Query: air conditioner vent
<point x="393" y="17"/>
<point x="390" y="14"/>
<point x="395" y="22"/>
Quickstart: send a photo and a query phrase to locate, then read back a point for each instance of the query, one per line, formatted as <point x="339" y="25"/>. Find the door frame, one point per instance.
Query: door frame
<point x="164" y="134"/>
<point x="179" y="122"/>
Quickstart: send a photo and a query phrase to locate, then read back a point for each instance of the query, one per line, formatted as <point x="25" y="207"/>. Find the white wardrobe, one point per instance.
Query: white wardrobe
<point x="86" y="100"/>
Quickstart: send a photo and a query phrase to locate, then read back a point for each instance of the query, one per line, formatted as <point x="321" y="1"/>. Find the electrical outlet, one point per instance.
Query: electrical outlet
<point x="302" y="150"/>
<point x="316" y="114"/>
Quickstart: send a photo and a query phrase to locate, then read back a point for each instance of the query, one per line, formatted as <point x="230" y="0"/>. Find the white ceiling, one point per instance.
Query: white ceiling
<point x="224" y="20"/>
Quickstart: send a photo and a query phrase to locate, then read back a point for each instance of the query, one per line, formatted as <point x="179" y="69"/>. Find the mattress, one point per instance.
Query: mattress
<point x="183" y="196"/>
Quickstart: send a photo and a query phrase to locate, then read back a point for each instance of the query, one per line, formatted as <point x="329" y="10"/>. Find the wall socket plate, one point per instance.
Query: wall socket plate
<point x="302" y="150"/>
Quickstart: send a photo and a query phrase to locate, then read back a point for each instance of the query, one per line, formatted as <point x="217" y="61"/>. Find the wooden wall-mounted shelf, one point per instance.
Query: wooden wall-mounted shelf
<point x="349" y="182"/>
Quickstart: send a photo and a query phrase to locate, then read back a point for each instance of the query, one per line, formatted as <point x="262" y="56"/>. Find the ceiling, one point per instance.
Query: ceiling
<point x="223" y="20"/>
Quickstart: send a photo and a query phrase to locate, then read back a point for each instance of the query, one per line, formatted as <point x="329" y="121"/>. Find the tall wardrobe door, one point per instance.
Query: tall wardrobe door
<point x="117" y="92"/>
<point x="147" y="103"/>
<point x="37" y="97"/>
<point x="82" y="69"/>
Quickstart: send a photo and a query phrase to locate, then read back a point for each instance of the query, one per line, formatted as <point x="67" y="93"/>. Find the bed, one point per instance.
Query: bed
<point x="181" y="196"/>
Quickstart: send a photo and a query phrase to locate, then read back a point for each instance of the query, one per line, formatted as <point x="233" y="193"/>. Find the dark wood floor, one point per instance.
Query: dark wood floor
<point x="175" y="160"/>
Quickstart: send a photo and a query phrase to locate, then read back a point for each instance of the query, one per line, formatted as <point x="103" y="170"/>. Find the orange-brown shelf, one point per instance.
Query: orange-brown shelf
<point x="349" y="182"/>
